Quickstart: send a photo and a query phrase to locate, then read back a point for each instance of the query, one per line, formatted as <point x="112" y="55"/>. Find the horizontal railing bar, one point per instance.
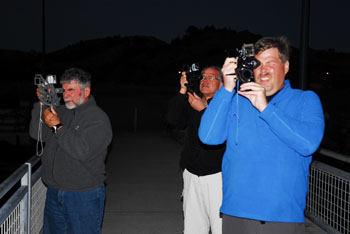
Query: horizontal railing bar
<point x="10" y="205"/>
<point x="34" y="160"/>
<point x="335" y="155"/>
<point x="14" y="178"/>
<point x="332" y="170"/>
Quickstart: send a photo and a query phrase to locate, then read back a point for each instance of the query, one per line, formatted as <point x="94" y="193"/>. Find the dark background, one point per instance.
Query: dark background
<point x="68" y="22"/>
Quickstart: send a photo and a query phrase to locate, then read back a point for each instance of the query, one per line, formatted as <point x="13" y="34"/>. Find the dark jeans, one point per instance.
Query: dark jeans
<point x="234" y="225"/>
<point x="74" y="212"/>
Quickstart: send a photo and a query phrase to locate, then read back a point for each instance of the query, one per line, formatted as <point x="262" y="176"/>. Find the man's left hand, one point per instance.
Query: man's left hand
<point x="51" y="117"/>
<point x="255" y="93"/>
<point x="195" y="101"/>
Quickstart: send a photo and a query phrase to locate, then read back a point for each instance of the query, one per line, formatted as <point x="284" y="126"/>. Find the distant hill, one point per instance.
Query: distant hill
<point x="136" y="59"/>
<point x="143" y="60"/>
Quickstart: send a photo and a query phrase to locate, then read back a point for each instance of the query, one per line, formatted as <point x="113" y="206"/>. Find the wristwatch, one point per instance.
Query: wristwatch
<point x="56" y="127"/>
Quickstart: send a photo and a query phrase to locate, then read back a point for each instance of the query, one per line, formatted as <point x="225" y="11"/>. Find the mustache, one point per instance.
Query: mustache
<point x="264" y="74"/>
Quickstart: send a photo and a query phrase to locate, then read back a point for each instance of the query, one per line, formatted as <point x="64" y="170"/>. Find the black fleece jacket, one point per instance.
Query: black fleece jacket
<point x="74" y="157"/>
<point x="198" y="158"/>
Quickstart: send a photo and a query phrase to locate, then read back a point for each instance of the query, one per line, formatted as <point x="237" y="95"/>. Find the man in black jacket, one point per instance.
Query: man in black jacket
<point x="76" y="138"/>
<point x="201" y="164"/>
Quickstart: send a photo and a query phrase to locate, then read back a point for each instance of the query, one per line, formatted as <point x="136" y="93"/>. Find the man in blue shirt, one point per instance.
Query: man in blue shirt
<point x="271" y="132"/>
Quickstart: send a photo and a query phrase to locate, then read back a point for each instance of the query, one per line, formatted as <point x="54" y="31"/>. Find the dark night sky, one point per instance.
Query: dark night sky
<point x="69" y="21"/>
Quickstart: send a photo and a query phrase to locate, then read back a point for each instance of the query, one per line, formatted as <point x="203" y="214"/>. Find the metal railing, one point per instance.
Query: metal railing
<point x="23" y="211"/>
<point x="328" y="203"/>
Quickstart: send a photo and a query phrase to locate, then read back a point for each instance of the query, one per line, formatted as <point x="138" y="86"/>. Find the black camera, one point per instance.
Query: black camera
<point x="193" y="77"/>
<point x="47" y="89"/>
<point x="246" y="63"/>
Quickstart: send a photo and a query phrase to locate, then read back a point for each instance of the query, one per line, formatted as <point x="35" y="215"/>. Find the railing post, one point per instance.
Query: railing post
<point x="27" y="181"/>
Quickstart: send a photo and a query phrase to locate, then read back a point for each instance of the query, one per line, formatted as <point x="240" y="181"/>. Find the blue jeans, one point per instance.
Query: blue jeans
<point x="74" y="212"/>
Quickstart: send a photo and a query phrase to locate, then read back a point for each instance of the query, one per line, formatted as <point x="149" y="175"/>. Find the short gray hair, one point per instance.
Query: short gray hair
<point x="82" y="77"/>
<point x="215" y="68"/>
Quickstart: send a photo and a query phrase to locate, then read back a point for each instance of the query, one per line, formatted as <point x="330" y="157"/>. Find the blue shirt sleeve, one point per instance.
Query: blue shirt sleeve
<point x="303" y="134"/>
<point x="213" y="126"/>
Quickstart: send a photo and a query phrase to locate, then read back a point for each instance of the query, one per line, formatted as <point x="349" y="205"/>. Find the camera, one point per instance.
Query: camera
<point x="47" y="89"/>
<point x="193" y="77"/>
<point x="246" y="63"/>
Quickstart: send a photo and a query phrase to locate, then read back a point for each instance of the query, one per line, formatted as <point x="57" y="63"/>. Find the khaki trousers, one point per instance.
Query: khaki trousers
<point x="202" y="197"/>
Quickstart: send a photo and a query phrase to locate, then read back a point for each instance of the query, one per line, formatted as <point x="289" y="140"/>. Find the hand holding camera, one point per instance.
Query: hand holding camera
<point x="240" y="68"/>
<point x="193" y="78"/>
<point x="183" y="82"/>
<point x="255" y="93"/>
<point x="196" y="102"/>
<point x="46" y="91"/>
<point x="50" y="117"/>
<point x="229" y="73"/>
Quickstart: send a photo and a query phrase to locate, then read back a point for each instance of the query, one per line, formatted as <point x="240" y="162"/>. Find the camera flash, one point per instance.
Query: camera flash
<point x="51" y="79"/>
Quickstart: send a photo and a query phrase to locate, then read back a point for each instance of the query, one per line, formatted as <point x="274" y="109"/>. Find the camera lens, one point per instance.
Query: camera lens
<point x="247" y="75"/>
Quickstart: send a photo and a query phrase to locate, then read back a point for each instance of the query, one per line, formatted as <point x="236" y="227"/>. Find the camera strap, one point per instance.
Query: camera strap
<point x="40" y="137"/>
<point x="237" y="112"/>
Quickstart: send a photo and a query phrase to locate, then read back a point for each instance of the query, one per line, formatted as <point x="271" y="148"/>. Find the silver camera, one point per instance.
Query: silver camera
<point x="47" y="89"/>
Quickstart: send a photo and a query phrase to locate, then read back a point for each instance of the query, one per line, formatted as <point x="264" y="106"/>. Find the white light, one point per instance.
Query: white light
<point x="51" y="79"/>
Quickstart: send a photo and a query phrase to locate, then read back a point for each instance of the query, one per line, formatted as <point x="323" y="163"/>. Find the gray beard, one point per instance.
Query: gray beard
<point x="70" y="106"/>
<point x="73" y="106"/>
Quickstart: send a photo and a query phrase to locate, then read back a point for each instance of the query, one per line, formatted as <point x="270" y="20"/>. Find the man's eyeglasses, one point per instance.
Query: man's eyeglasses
<point x="210" y="78"/>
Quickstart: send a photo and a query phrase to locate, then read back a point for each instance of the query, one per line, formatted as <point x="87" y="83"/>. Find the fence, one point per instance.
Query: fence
<point x="328" y="197"/>
<point x="23" y="211"/>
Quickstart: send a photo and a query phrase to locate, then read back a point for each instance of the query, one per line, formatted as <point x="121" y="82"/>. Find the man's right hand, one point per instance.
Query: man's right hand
<point x="196" y="102"/>
<point x="229" y="73"/>
<point x="50" y="117"/>
<point x="183" y="82"/>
